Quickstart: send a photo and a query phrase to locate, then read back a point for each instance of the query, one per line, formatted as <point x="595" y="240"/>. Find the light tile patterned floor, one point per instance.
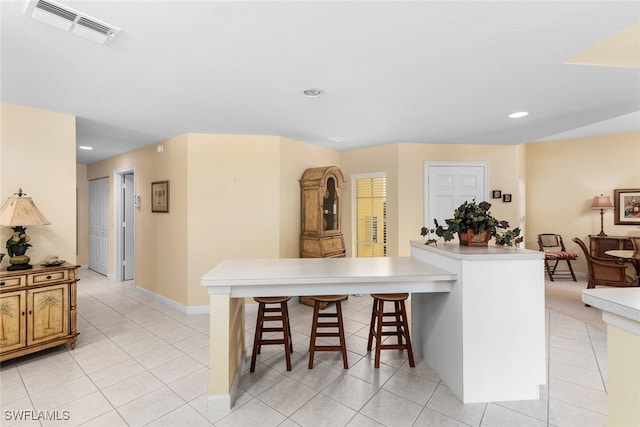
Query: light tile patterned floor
<point x="141" y="363"/>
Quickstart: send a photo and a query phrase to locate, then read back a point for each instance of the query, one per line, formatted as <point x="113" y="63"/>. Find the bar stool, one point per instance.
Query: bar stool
<point x="281" y="316"/>
<point x="316" y="325"/>
<point x="399" y="321"/>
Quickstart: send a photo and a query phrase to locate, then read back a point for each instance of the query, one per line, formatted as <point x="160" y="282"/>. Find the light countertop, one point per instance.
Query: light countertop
<point x="624" y="302"/>
<point x="454" y="250"/>
<point x="322" y="276"/>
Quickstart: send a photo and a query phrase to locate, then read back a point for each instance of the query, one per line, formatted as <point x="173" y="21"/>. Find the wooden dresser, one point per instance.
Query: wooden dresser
<point x="598" y="245"/>
<point x="37" y="309"/>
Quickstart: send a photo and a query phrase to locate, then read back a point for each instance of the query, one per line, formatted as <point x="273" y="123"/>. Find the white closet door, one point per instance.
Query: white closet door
<point x="98" y="225"/>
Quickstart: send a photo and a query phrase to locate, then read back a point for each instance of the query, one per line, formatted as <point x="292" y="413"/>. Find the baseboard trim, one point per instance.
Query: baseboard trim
<point x="224" y="402"/>
<point x="193" y="309"/>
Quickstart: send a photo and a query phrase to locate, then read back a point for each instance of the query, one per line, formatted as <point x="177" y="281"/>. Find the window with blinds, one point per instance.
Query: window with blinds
<point x="369" y="207"/>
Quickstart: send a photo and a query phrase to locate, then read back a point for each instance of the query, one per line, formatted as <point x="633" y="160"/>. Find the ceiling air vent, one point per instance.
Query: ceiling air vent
<point x="71" y="20"/>
<point x="54" y="15"/>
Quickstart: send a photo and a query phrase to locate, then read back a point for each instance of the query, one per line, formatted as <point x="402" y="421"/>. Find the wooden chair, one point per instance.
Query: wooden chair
<point x="554" y="252"/>
<point x="605" y="272"/>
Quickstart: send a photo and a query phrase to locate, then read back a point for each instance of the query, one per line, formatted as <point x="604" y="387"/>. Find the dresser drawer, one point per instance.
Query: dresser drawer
<point x="11" y="282"/>
<point x="47" y="277"/>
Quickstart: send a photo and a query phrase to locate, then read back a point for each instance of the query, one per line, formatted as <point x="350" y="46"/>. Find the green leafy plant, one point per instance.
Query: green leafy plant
<point x="507" y="236"/>
<point x="477" y="217"/>
<point x="426" y="232"/>
<point x="18" y="243"/>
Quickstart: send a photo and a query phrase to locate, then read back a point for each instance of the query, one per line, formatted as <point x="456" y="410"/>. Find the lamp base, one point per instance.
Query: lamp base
<point x="15" y="267"/>
<point x="601" y="233"/>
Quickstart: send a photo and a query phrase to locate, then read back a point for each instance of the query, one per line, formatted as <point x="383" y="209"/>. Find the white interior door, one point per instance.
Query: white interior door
<point x="449" y="184"/>
<point x="98" y="225"/>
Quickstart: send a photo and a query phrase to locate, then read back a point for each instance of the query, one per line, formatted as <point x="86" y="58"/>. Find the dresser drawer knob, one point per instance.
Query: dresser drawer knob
<point x="2" y="283"/>
<point x="48" y="277"/>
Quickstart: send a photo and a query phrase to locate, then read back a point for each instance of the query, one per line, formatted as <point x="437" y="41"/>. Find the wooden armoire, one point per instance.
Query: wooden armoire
<point x="321" y="221"/>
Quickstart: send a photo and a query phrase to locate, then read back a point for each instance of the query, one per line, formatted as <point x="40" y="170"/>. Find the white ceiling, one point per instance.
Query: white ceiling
<point x="392" y="71"/>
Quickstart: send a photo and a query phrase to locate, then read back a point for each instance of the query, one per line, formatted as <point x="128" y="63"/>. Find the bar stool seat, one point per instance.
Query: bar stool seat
<point x="280" y="314"/>
<point x="399" y="322"/>
<point x="337" y="324"/>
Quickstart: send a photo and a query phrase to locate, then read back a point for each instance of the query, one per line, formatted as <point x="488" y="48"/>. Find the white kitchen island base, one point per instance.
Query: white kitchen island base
<point x="485" y="338"/>
<point x="477" y="314"/>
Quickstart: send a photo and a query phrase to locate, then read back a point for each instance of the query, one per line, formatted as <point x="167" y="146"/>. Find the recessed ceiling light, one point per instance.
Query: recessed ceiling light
<point x="518" y="114"/>
<point x="313" y="93"/>
<point x="85" y="147"/>
<point x="337" y="139"/>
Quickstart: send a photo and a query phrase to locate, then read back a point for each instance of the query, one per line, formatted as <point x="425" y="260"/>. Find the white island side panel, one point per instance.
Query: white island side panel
<point x="485" y="338"/>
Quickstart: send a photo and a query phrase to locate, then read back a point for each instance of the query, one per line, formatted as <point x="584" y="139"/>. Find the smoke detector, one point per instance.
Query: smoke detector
<point x="70" y="20"/>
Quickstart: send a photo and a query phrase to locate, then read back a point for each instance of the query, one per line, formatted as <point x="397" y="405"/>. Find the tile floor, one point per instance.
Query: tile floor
<point x="139" y="362"/>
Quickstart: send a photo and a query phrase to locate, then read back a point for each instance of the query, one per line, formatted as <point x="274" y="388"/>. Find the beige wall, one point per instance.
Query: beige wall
<point x="82" y="212"/>
<point x="161" y="238"/>
<point x="404" y="166"/>
<point x="38" y="154"/>
<point x="233" y="199"/>
<point x="564" y="176"/>
<point x="235" y="195"/>
<point x="231" y="196"/>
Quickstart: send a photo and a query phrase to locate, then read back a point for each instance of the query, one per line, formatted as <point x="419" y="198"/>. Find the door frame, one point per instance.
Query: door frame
<point x="430" y="164"/>
<point x="118" y="175"/>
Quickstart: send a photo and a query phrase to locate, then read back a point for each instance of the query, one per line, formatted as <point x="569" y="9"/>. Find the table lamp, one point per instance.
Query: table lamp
<point x="19" y="212"/>
<point x="601" y="202"/>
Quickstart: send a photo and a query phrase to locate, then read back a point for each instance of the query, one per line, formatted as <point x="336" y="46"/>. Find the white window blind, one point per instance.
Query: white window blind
<point x="369" y="210"/>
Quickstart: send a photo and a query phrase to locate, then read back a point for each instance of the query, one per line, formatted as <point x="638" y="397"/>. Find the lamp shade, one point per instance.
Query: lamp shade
<point x="21" y="211"/>
<point x="601" y="202"/>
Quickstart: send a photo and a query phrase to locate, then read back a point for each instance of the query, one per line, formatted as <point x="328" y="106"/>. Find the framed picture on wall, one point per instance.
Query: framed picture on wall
<point x="506" y="198"/>
<point x="626" y="206"/>
<point x="160" y="196"/>
<point x="496" y="194"/>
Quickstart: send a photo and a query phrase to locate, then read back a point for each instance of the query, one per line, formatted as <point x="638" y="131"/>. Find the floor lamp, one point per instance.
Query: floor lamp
<point x="601" y="202"/>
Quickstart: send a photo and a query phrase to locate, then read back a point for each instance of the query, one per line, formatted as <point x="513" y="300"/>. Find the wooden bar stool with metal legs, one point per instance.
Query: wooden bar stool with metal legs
<point x="281" y="314"/>
<point x="337" y="324"/>
<point x="399" y="322"/>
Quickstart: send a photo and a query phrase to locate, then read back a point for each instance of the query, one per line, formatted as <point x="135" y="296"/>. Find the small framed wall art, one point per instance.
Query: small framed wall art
<point x="626" y="206"/>
<point x="160" y="196"/>
<point x="496" y="194"/>
<point x="506" y="198"/>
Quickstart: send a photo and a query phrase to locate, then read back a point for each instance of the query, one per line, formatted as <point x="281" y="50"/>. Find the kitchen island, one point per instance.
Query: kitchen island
<point x="435" y="286"/>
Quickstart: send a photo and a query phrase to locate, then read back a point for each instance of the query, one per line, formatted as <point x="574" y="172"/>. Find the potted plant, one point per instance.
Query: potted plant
<point x="475" y="226"/>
